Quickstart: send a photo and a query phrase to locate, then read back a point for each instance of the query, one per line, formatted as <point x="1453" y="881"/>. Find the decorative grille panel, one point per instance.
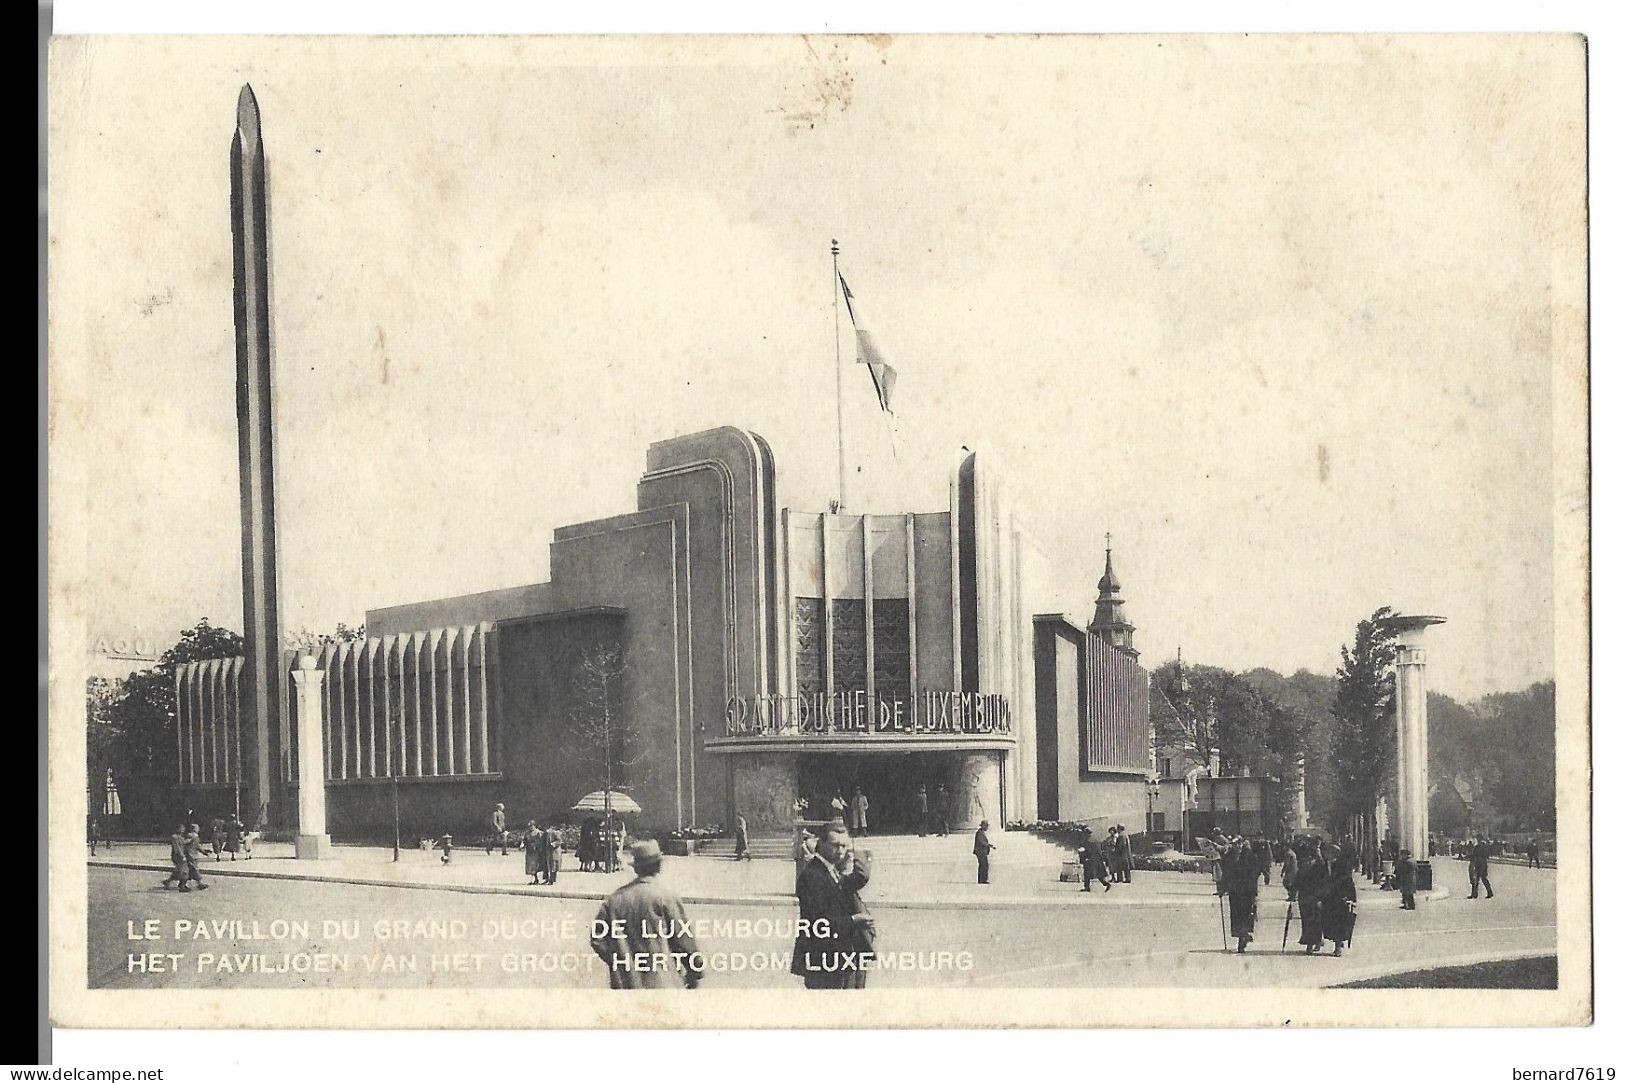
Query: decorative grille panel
<point x="809" y="646"/>
<point x="891" y="656"/>
<point x="851" y="661"/>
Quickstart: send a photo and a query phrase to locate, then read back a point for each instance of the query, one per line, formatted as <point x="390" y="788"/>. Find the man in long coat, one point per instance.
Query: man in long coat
<point x="836" y="938"/>
<point x="1478" y="868"/>
<point x="983" y="849"/>
<point x="1092" y="864"/>
<point x="552" y="853"/>
<point x="1240" y="882"/>
<point x="1405" y="873"/>
<point x="499" y="830"/>
<point x="1125" y="856"/>
<point x="642" y="930"/>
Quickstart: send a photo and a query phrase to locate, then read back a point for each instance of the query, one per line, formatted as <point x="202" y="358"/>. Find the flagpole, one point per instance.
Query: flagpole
<point x="840" y="407"/>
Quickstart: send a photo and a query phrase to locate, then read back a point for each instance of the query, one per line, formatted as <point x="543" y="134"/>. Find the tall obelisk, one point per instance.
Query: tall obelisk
<point x="260" y="753"/>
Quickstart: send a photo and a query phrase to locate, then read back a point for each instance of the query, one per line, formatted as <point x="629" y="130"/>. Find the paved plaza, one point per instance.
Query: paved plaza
<point x="1025" y="930"/>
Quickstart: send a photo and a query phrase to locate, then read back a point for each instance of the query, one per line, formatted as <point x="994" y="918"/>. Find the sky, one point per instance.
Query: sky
<point x="1276" y="312"/>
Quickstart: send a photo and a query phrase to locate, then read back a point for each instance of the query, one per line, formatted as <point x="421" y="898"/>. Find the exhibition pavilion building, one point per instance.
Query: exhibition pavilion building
<point x="717" y="654"/>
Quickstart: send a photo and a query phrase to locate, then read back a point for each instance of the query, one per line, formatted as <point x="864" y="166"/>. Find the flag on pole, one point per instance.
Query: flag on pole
<point x="881" y="372"/>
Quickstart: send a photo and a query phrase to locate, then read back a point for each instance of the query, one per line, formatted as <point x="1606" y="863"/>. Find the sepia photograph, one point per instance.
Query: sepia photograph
<point x="1025" y="530"/>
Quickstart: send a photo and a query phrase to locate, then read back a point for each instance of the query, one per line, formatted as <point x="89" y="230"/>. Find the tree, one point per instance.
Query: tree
<point x="599" y="721"/>
<point x="1363" y="738"/>
<point x="1205" y="709"/>
<point x="131" y="724"/>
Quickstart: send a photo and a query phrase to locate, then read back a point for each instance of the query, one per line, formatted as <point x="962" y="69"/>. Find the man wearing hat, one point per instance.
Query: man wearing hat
<point x="1091" y="863"/>
<point x="836" y="934"/>
<point x="499" y="831"/>
<point x="642" y="931"/>
<point x="1240" y="882"/>
<point x="982" y="848"/>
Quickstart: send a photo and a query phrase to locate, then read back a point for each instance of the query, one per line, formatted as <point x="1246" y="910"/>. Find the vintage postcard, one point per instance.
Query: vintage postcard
<point x="1012" y="531"/>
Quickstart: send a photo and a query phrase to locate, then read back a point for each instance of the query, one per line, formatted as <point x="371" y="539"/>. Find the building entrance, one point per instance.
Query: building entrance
<point x="892" y="783"/>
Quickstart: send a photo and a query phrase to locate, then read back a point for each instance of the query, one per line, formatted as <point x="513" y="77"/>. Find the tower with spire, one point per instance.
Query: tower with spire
<point x="1111" y="622"/>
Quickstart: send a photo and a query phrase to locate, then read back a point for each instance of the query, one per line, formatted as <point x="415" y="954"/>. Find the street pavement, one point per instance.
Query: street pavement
<point x="934" y="874"/>
<point x="474" y="931"/>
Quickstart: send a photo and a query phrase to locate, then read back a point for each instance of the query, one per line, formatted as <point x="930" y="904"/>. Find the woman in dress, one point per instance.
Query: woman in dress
<point x="217" y="836"/>
<point x="234" y="836"/>
<point x="534" y="857"/>
<point x="1338" y="901"/>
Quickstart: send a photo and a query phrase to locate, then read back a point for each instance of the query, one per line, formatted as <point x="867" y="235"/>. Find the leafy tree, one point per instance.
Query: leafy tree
<point x="131" y="722"/>
<point x="1206" y="709"/>
<point x="1363" y="737"/>
<point x="131" y="725"/>
<point x="1518" y="742"/>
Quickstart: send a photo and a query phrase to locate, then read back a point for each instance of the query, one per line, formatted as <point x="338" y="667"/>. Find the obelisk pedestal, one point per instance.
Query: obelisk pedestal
<point x="1411" y="719"/>
<point x="312" y="843"/>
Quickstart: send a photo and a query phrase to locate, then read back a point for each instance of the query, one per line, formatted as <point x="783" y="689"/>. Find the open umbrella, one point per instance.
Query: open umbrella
<point x="618" y="802"/>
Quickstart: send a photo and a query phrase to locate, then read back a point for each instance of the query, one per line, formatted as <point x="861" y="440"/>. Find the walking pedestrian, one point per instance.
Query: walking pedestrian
<point x="828" y="899"/>
<point x="741" y="838"/>
<point x="1338" y="904"/>
<point x="1241" y="871"/>
<point x="445" y="848"/>
<point x="642" y="930"/>
<point x="234" y="836"/>
<point x="922" y="804"/>
<point x="1311" y="881"/>
<point x="942" y="810"/>
<point x="1289" y="872"/>
<point x="194" y="856"/>
<point x="1091" y="863"/>
<point x="982" y="848"/>
<point x="499" y="831"/>
<point x="1262" y="858"/>
<point x="837" y="808"/>
<point x="1405" y="873"/>
<point x="217" y="836"/>
<point x="534" y="845"/>
<point x="98" y="833"/>
<point x="1478" y="868"/>
<point x="177" y="859"/>
<point x="860" y="811"/>
<point x="1534" y="853"/>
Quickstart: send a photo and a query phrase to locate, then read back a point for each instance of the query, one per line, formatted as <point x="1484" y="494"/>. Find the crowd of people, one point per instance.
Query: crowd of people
<point x="1318" y="878"/>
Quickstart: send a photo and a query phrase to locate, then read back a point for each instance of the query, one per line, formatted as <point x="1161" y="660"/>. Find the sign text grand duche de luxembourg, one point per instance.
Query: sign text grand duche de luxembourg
<point x="854" y="712"/>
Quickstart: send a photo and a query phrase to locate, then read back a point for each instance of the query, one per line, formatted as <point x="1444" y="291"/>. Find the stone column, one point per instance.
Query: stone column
<point x="312" y="843"/>
<point x="1300" y="799"/>
<point x="1411" y="720"/>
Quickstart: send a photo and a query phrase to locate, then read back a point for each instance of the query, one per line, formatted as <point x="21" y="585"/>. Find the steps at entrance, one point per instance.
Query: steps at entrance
<point x="1011" y="848"/>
